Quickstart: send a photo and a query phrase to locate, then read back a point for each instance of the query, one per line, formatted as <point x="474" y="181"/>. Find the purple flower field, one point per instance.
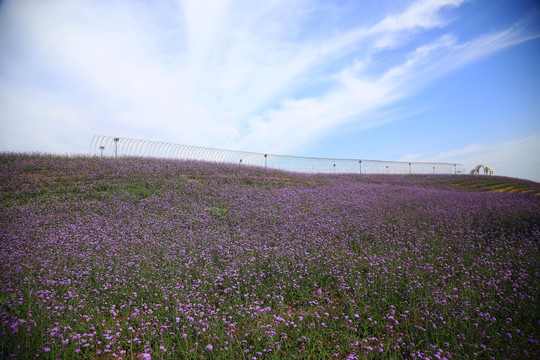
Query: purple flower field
<point x="135" y="258"/>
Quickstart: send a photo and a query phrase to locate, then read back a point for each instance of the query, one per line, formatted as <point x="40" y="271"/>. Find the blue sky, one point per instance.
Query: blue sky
<point x="442" y="80"/>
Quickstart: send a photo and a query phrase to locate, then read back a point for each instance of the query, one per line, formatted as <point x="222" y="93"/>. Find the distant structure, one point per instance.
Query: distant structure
<point x="476" y="170"/>
<point x="109" y="146"/>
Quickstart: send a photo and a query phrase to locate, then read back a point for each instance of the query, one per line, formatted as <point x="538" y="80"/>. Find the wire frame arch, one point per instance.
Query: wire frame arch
<point x="110" y="146"/>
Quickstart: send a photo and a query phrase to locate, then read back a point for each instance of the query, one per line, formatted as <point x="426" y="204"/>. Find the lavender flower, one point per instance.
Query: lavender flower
<point x="132" y="257"/>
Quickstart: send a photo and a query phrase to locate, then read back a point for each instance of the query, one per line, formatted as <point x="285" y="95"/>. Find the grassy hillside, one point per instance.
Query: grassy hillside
<point x="146" y="258"/>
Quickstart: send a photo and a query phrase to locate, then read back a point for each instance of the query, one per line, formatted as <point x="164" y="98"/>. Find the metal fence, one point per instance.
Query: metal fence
<point x="116" y="146"/>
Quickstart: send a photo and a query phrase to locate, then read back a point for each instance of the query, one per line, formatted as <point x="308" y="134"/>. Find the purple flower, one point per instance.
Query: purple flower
<point x="232" y="248"/>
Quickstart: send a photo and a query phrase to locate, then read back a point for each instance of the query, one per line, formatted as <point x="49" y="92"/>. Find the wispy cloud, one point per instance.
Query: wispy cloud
<point x="515" y="158"/>
<point x="411" y="157"/>
<point x="357" y="92"/>
<point x="458" y="153"/>
<point x="268" y="76"/>
<point x="420" y="15"/>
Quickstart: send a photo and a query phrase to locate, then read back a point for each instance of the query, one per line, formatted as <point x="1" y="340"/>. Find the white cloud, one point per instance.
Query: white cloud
<point x="223" y="73"/>
<point x="411" y="157"/>
<point x="457" y="153"/>
<point x="516" y="158"/>
<point x="424" y="14"/>
<point x="45" y="124"/>
<point x="359" y="94"/>
<point x="421" y="14"/>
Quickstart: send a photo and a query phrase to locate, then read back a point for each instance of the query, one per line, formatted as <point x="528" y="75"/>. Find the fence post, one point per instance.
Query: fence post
<point x="116" y="146"/>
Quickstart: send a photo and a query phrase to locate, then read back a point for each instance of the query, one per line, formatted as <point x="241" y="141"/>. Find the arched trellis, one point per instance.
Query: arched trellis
<point x="115" y="146"/>
<point x="476" y="170"/>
